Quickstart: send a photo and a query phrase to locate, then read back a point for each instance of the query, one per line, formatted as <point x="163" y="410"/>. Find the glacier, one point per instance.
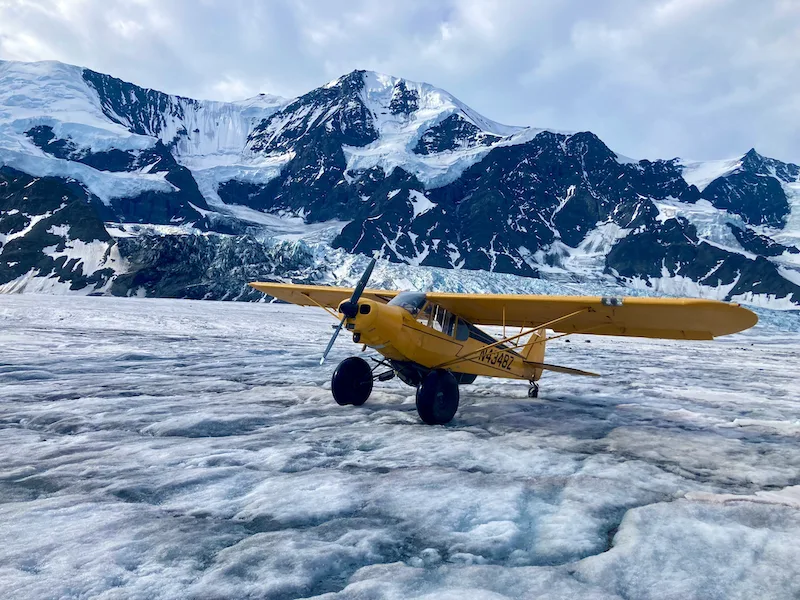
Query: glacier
<point x="179" y="449"/>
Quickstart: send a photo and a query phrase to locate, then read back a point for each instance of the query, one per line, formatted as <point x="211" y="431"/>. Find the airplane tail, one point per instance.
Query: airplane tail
<point x="533" y="355"/>
<point x="534" y="350"/>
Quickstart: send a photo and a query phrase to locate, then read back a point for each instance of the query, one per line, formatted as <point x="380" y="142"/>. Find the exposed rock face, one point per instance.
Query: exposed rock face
<point x="142" y="111"/>
<point x="453" y="133"/>
<point x="177" y="206"/>
<point x="518" y="200"/>
<point x="758" y="199"/>
<point x="337" y="111"/>
<point x="410" y="171"/>
<point x="57" y="236"/>
<point x="674" y="249"/>
<point x="45" y="224"/>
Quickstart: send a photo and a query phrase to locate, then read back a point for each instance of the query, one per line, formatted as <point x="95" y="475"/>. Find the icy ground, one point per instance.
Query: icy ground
<point x="177" y="449"/>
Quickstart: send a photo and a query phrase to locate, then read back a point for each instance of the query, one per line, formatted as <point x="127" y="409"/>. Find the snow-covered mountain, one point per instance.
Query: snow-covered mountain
<point x="107" y="187"/>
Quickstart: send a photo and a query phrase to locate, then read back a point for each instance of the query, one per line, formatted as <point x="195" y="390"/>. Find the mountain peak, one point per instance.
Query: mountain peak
<point x="753" y="161"/>
<point x="384" y="121"/>
<point x="762" y="165"/>
<point x="352" y="81"/>
<point x="752" y="156"/>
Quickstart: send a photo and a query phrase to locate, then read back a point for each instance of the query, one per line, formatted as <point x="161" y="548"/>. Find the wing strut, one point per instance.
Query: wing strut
<point x="469" y="355"/>
<point x="325" y="308"/>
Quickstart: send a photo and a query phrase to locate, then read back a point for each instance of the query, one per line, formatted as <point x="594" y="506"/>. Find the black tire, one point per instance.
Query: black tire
<point x="352" y="381"/>
<point x="437" y="398"/>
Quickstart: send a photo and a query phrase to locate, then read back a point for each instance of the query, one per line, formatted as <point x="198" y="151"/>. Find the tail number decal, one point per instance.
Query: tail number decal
<point x="492" y="357"/>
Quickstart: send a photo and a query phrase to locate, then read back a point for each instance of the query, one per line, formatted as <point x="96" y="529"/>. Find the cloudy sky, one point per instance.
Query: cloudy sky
<point x="653" y="78"/>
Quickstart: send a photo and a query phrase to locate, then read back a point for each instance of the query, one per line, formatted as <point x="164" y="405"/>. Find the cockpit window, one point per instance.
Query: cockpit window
<point x="410" y="301"/>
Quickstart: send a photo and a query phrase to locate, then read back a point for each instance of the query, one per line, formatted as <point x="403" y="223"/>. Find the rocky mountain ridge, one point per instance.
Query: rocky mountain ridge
<point x="106" y="187"/>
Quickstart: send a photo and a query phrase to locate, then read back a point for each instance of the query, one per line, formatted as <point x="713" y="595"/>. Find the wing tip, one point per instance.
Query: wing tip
<point x="742" y="319"/>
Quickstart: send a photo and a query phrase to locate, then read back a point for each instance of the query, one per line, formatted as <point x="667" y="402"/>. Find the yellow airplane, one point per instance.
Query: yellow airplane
<point x="431" y="342"/>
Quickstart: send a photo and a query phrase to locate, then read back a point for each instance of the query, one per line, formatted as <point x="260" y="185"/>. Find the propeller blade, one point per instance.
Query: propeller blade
<point x="349" y="308"/>
<point x="333" y="339"/>
<point x="362" y="283"/>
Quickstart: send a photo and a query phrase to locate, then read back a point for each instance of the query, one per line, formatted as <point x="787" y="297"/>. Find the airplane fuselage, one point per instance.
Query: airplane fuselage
<point x="432" y="339"/>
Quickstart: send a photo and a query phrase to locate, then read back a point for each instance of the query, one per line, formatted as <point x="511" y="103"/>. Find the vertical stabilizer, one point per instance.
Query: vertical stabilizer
<point x="534" y="350"/>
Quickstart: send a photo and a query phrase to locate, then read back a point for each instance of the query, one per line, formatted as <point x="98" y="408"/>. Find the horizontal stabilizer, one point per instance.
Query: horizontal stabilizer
<point x="558" y="369"/>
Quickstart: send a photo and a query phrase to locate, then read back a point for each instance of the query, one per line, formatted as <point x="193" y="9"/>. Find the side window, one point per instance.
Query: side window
<point x="462" y="330"/>
<point x="450" y="324"/>
<point x="435" y="321"/>
<point x="425" y="316"/>
<point x="443" y="321"/>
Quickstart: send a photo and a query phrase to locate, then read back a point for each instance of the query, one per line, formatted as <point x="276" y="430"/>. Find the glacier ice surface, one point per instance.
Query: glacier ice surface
<point x="175" y="449"/>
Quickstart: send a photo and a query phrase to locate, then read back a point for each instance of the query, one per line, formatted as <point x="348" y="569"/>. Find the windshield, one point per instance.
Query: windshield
<point x="410" y="301"/>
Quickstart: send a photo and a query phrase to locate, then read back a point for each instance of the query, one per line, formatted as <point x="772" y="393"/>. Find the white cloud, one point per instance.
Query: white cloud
<point x="699" y="78"/>
<point x="127" y="28"/>
<point x="231" y="88"/>
<point x="24" y="46"/>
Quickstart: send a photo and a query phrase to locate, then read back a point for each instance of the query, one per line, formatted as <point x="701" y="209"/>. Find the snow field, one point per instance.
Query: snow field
<point x="178" y="449"/>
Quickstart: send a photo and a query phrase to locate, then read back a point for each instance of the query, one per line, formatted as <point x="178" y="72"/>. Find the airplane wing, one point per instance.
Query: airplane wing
<point x="668" y="318"/>
<point x="317" y="295"/>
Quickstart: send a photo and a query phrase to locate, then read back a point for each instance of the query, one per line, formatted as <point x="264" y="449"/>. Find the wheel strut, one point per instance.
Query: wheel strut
<point x="533" y="391"/>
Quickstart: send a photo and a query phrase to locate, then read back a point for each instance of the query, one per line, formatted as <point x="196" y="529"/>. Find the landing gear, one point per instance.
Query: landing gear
<point x="437" y="397"/>
<point x="352" y="381"/>
<point x="533" y="391"/>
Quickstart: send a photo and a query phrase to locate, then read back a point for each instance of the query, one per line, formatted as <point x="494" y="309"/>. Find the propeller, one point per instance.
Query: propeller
<point x="349" y="309"/>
